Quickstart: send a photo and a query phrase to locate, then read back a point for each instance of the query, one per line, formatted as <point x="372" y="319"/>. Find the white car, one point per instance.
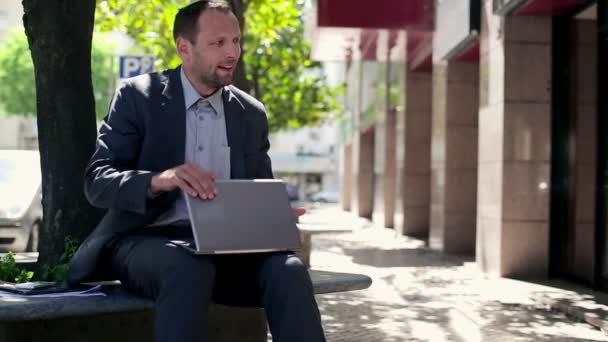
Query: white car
<point x="326" y="196"/>
<point x="20" y="200"/>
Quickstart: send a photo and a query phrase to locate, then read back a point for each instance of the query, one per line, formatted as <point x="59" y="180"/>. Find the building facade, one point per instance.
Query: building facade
<point x="306" y="158"/>
<point x="478" y="125"/>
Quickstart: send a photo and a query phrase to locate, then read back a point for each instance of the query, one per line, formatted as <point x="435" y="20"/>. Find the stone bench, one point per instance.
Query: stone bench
<point x="121" y="316"/>
<point x="307" y="230"/>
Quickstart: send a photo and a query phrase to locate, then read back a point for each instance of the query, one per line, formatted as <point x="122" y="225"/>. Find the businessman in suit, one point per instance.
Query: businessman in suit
<point x="176" y="132"/>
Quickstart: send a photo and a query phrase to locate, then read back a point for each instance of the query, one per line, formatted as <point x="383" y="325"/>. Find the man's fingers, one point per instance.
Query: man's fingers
<point x="195" y="169"/>
<point x="191" y="180"/>
<point x="211" y="190"/>
<point x="297" y="212"/>
<point x="185" y="187"/>
<point x="207" y="186"/>
<point x="200" y="179"/>
<point x="214" y="177"/>
<point x="204" y="181"/>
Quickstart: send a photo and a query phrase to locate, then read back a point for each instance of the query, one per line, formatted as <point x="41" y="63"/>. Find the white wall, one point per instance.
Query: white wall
<point x="11" y="16"/>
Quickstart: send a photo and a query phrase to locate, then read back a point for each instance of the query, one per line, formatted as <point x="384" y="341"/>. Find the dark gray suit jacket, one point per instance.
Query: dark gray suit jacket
<point x="143" y="134"/>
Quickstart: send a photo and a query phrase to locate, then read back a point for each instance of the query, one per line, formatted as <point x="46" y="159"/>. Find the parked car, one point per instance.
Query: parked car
<point x="292" y="192"/>
<point x="326" y="196"/>
<point x="20" y="200"/>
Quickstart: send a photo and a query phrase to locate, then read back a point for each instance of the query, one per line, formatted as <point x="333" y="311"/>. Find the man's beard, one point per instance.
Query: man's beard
<point x="213" y="80"/>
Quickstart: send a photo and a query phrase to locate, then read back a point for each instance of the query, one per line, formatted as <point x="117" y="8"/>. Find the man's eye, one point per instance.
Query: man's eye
<point x="236" y="40"/>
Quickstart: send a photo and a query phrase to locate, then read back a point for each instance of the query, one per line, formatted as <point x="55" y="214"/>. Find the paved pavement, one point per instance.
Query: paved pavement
<point x="422" y="295"/>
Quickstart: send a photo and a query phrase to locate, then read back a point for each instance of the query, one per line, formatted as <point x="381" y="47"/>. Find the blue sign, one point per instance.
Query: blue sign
<point x="135" y="65"/>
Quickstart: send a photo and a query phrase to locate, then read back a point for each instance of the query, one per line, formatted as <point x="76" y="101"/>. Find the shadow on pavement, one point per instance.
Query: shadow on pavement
<point x="403" y="258"/>
<point x="419" y="294"/>
<point x="354" y="317"/>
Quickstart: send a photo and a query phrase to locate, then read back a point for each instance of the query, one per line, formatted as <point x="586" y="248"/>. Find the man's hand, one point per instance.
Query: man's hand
<point x="297" y="212"/>
<point x="190" y="178"/>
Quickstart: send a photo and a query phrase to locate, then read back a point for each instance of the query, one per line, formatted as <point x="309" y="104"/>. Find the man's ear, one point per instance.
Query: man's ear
<point x="183" y="47"/>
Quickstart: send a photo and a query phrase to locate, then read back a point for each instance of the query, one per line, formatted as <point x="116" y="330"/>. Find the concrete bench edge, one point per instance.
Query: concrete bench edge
<point x="37" y="309"/>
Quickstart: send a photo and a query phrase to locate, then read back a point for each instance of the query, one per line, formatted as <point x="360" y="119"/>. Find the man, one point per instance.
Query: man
<point x="178" y="131"/>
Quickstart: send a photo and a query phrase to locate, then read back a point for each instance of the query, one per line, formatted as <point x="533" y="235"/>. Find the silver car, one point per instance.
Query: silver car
<point x="20" y="200"/>
<point x="326" y="196"/>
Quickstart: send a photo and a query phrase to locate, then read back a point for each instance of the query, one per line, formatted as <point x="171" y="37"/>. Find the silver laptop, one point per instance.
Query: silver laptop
<point x="247" y="216"/>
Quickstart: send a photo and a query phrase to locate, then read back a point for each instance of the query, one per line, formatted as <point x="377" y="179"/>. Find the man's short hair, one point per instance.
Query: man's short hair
<point x="187" y="17"/>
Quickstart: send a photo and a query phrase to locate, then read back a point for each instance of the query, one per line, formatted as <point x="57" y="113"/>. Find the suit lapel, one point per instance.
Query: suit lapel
<point x="234" y="111"/>
<point x="174" y="117"/>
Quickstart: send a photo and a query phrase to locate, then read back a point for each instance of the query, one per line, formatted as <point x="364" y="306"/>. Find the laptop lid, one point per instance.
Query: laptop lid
<point x="247" y="216"/>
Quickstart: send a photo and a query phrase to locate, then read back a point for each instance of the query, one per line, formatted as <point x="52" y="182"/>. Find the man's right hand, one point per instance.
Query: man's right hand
<point x="190" y="178"/>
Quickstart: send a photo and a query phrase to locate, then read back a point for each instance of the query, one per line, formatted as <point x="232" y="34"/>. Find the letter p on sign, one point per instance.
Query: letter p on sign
<point x="135" y="65"/>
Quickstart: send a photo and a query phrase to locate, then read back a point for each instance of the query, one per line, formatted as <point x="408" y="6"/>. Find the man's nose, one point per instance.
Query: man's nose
<point x="233" y="51"/>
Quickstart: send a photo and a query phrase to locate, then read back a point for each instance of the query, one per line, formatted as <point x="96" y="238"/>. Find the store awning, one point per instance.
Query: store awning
<point x="343" y="30"/>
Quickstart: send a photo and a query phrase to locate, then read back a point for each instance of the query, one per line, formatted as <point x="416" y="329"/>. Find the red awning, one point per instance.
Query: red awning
<point x="364" y="30"/>
<point x="549" y="7"/>
<point x="378" y="14"/>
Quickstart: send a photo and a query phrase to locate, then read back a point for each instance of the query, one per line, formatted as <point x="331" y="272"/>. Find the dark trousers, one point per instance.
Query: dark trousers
<point x="183" y="285"/>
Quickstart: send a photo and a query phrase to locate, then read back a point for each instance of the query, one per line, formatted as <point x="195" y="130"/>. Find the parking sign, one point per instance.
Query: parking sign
<point x="135" y="65"/>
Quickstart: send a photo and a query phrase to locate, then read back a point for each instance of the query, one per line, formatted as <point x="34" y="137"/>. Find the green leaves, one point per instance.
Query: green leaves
<point x="9" y="271"/>
<point x="275" y="54"/>
<point x="148" y="23"/>
<point x="104" y="73"/>
<point x="277" y="57"/>
<point x="58" y="272"/>
<point x="17" y="85"/>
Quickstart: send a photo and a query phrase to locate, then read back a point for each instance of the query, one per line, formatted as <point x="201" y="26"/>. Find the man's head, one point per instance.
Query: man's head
<point x="207" y="36"/>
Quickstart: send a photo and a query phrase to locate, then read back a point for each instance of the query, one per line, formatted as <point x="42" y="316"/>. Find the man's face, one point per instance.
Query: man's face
<point x="212" y="58"/>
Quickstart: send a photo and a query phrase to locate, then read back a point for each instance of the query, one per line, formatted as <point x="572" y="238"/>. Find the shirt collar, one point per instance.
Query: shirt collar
<point x="191" y="96"/>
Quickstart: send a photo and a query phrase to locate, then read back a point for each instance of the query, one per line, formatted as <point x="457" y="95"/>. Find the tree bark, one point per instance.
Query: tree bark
<point x="60" y="37"/>
<point x="240" y="77"/>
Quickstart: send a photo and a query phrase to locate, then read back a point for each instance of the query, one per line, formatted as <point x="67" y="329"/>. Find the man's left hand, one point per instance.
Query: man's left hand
<point x="297" y="212"/>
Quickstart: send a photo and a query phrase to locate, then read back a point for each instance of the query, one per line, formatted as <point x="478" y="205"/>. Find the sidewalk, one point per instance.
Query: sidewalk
<point x="422" y="295"/>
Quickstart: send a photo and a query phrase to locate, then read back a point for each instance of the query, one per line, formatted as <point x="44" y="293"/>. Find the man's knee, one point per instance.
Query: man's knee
<point x="286" y="271"/>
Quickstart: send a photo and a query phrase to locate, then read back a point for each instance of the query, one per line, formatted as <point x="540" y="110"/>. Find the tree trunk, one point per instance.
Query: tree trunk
<point x="59" y="34"/>
<point x="240" y="77"/>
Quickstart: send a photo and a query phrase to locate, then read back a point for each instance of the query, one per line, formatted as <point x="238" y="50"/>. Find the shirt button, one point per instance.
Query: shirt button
<point x="201" y="117"/>
<point x="200" y="148"/>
